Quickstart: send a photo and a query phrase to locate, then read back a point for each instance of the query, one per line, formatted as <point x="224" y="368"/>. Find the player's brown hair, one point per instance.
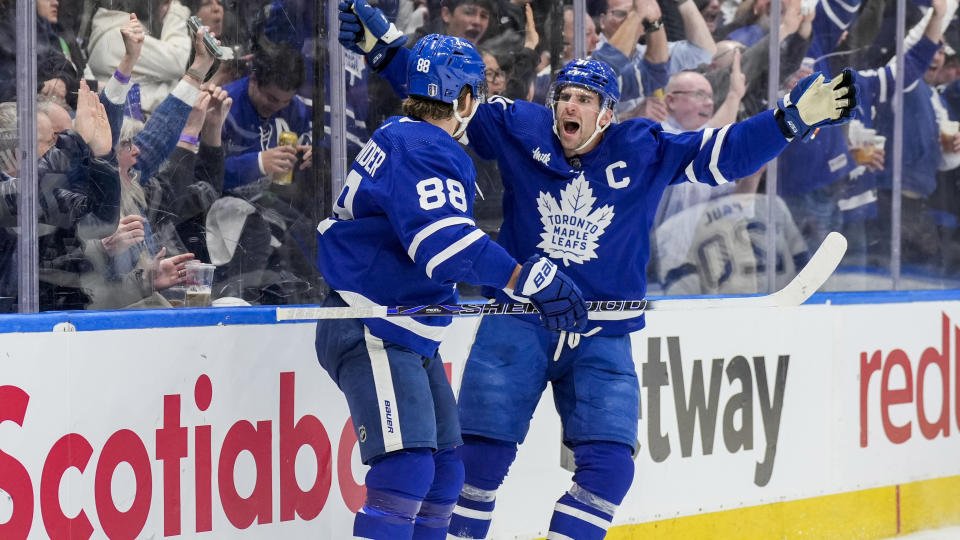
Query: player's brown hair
<point x="425" y="108"/>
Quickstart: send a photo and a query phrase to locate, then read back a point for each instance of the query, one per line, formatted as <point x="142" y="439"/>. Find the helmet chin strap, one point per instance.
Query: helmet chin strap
<point x="463" y="121"/>
<point x="597" y="130"/>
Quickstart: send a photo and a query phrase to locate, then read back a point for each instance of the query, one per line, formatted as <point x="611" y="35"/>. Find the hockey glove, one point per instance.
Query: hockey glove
<point x="365" y="30"/>
<point x="559" y="300"/>
<point x="813" y="103"/>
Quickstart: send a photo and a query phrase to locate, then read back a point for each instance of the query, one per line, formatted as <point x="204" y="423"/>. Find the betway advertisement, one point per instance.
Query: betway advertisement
<point x="235" y="432"/>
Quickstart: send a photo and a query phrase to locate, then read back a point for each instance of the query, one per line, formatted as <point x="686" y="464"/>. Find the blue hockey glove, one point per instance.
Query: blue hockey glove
<point x="559" y="300"/>
<point x="365" y="30"/>
<point x="813" y="103"/>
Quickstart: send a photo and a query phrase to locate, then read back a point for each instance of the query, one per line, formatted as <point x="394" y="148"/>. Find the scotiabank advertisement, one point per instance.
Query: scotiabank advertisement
<point x="234" y="431"/>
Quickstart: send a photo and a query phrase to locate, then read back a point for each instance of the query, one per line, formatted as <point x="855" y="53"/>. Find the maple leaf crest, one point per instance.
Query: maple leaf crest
<point x="571" y="228"/>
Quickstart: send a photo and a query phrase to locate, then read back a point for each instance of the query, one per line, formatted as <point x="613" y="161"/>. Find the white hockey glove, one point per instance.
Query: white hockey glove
<point x="557" y="297"/>
<point x="813" y="103"/>
<point x="365" y="30"/>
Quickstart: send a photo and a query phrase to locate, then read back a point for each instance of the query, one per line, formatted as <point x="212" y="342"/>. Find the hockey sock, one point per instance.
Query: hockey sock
<point x="396" y="485"/>
<point x="485" y="462"/>
<point x="434" y="516"/>
<point x="603" y="477"/>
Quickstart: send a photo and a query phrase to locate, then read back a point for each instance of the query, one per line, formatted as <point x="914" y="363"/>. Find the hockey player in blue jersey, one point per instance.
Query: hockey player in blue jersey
<point x="402" y="234"/>
<point x="582" y="190"/>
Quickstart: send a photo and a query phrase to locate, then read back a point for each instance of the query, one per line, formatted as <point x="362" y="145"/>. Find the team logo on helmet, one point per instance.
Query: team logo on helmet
<point x="442" y="65"/>
<point x="593" y="75"/>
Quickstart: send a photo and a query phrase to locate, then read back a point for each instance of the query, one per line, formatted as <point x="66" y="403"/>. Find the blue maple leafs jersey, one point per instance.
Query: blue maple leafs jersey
<point x="402" y="232"/>
<point x="593" y="217"/>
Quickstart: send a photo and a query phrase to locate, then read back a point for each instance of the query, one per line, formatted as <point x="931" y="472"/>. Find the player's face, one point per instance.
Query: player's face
<point x="577" y="110"/>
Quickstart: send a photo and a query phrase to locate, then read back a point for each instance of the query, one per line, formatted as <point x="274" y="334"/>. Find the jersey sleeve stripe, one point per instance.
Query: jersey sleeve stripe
<point x="715" y="156"/>
<point x="707" y="135"/>
<point x="325" y="224"/>
<point x="432" y="228"/>
<point x="453" y="249"/>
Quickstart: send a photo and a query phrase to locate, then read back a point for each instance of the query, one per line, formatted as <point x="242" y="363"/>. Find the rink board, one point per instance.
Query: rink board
<point x="218" y="423"/>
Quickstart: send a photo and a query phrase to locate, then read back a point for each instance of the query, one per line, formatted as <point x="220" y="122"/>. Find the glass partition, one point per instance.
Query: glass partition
<point x="152" y="160"/>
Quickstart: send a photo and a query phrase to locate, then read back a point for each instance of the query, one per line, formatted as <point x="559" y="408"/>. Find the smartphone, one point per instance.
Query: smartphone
<point x="194" y="25"/>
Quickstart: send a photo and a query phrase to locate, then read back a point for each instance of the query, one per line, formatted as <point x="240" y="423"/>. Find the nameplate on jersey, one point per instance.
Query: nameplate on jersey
<point x="371" y="157"/>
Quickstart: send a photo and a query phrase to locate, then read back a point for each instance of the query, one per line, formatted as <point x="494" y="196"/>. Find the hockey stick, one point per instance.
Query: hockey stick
<point x="810" y="278"/>
<point x="600" y="310"/>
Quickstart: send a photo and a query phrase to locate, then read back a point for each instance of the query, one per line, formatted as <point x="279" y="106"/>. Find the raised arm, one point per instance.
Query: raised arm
<point x="114" y="95"/>
<point x="695" y="28"/>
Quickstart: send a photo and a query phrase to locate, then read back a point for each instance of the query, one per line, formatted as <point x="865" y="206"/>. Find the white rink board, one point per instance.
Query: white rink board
<point x="97" y="383"/>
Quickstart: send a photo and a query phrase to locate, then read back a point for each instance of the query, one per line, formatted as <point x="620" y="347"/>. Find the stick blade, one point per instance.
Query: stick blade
<point x="810" y="278"/>
<point x="816" y="272"/>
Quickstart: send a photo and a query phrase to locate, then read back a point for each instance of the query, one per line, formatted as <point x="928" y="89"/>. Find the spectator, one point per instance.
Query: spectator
<point x="467" y="19"/>
<point x="689" y="103"/>
<point x="641" y="70"/>
<point x="257" y="238"/>
<point x="265" y="104"/>
<point x="795" y="35"/>
<point x="711" y="12"/>
<point x="78" y="196"/>
<point x="697" y="48"/>
<point x="166" y="49"/>
<point x="496" y="77"/>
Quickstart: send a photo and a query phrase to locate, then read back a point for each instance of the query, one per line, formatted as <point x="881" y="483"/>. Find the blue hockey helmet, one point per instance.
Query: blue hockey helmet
<point x="593" y="75"/>
<point x="441" y="66"/>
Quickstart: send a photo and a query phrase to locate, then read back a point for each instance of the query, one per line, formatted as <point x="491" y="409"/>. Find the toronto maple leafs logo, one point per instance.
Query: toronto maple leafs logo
<point x="572" y="227"/>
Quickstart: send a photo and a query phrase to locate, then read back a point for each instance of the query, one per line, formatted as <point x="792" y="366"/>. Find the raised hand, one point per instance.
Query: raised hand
<point x="197" y="115"/>
<point x="813" y="102"/>
<point x="531" y="37"/>
<point x="133" y="36"/>
<point x="10" y="162"/>
<point x="217" y="112"/>
<point x="202" y="59"/>
<point x="91" y="121"/>
<point x="365" y="30"/>
<point x="169" y="271"/>
<point x="129" y="233"/>
<point x="219" y="107"/>
<point x="738" y="81"/>
<point x="558" y="299"/>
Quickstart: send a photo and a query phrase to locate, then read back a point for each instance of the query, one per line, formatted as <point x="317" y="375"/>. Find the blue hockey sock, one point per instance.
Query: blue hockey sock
<point x="485" y="462"/>
<point x="574" y="518"/>
<point x="434" y="516"/>
<point x="604" y="474"/>
<point x="396" y="485"/>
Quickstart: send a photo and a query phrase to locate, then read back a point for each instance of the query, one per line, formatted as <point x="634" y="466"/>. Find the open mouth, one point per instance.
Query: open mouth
<point x="571" y="127"/>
